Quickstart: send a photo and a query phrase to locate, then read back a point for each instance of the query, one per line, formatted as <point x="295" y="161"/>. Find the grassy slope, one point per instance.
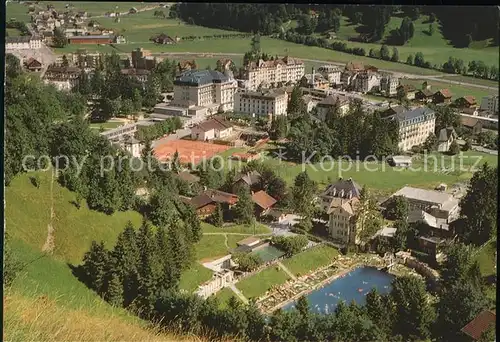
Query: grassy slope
<point x="28" y="212"/>
<point x="311" y="259"/>
<point x="435" y="48"/>
<point x="67" y="306"/>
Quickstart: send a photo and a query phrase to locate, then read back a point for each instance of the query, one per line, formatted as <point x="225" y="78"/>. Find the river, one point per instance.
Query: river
<point x="355" y="285"/>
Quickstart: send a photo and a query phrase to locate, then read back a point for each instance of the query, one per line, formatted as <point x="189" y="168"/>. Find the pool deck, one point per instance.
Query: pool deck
<point x="341" y="266"/>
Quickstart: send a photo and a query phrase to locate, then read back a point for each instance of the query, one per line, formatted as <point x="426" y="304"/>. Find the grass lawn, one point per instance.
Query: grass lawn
<point x="105" y="125"/>
<point x="256" y="285"/>
<point x="27" y="214"/>
<point x="224" y="295"/>
<point x="196" y="275"/>
<point x="456" y="90"/>
<point x="13" y="32"/>
<point x="384" y="179"/>
<point x="17" y="11"/>
<point x="237" y="228"/>
<point x="311" y="259"/>
<point x="486" y="259"/>
<point x="210" y="247"/>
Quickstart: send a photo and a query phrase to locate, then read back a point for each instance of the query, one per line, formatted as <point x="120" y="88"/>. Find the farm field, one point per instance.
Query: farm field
<point x="436" y="49"/>
<point x="311" y="259"/>
<point x="256" y="285"/>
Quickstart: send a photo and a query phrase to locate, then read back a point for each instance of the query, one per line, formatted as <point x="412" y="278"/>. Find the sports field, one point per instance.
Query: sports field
<point x="190" y="151"/>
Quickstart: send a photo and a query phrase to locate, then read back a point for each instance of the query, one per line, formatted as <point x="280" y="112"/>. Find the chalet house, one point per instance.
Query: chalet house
<point x="250" y="179"/>
<point x="442" y="96"/>
<point x="475" y="328"/>
<point x="33" y="64"/>
<point x="473" y="124"/>
<point x="466" y="102"/>
<point x="206" y="203"/>
<point x="409" y="90"/>
<point x="263" y="203"/>
<point x="211" y="129"/>
<point x="163" y="39"/>
<point x="446" y="137"/>
<point x="133" y="10"/>
<point x="431" y="245"/>
<point x="425" y="95"/>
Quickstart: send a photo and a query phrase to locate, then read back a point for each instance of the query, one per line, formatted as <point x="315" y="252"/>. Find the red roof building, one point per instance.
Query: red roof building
<point x="263" y="202"/>
<point x="480" y="324"/>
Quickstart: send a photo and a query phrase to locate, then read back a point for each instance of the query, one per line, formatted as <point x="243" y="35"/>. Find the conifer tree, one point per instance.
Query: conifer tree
<point x="114" y="293"/>
<point x="94" y="266"/>
<point x="244" y="208"/>
<point x="217" y="218"/>
<point x="148" y="269"/>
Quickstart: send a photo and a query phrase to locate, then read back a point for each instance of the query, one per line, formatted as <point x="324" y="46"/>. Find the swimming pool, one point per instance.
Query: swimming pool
<point x="355" y="285"/>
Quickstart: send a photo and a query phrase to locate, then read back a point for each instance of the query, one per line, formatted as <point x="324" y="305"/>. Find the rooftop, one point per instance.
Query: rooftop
<point x="431" y="196"/>
<point x="413" y="114"/>
<point x="332" y="99"/>
<point x="249" y="241"/>
<point x="479" y="324"/>
<point x="251" y="178"/>
<point x="263" y="200"/>
<point x="200" y="77"/>
<point x="91" y="37"/>
<point x="343" y="188"/>
<point x="211" y="124"/>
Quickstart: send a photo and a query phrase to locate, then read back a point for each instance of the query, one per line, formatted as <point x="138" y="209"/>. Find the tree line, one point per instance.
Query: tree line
<point x="354" y="134"/>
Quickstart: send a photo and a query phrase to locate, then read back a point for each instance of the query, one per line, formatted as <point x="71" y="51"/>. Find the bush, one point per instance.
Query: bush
<point x="290" y="244"/>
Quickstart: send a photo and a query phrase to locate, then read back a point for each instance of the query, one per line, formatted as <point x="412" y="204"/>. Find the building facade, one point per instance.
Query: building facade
<point x="366" y="81"/>
<point x="331" y="72"/>
<point x="63" y="78"/>
<point x="415" y="126"/>
<point x="273" y="72"/>
<point x="389" y="85"/>
<point x="340" y="201"/>
<point x="274" y="102"/>
<point x="204" y="88"/>
<point x="330" y="102"/>
<point x="23" y="43"/>
<point x="490" y="104"/>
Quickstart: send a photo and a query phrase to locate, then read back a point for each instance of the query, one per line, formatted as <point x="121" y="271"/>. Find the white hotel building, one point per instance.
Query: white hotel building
<point x="273" y="102"/>
<point x="270" y="73"/>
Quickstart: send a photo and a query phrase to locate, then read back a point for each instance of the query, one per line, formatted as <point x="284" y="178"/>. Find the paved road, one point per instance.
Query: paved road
<point x="437" y="77"/>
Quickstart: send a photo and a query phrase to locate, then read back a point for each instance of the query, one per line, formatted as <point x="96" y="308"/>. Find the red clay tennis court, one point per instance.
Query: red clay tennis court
<point x="190" y="151"/>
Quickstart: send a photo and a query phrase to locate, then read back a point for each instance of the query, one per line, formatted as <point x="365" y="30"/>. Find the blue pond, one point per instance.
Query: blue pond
<point x="355" y="285"/>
